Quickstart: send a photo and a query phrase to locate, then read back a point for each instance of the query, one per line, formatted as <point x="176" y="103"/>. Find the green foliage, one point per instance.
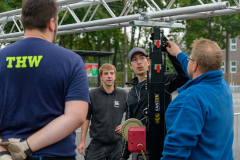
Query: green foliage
<point x="8" y="5"/>
<point x="213" y="28"/>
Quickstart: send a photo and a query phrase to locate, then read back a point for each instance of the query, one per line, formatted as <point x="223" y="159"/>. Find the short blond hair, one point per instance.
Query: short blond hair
<point x="207" y="54"/>
<point x="106" y="66"/>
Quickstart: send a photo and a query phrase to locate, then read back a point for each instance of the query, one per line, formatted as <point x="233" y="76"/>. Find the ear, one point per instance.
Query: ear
<point x="148" y="62"/>
<point x="195" y="66"/>
<point x="130" y="66"/>
<point x="51" y="24"/>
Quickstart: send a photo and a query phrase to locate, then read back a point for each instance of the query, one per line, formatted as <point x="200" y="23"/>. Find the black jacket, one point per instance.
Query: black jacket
<point x="106" y="112"/>
<point x="138" y="100"/>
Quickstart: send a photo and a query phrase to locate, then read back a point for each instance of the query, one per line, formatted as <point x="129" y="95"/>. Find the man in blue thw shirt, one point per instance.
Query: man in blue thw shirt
<point x="44" y="90"/>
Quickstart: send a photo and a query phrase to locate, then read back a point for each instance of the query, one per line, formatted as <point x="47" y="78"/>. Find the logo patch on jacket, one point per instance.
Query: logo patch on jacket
<point x="116" y="104"/>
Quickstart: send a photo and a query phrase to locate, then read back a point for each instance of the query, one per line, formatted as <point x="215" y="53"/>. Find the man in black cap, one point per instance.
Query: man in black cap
<point x="137" y="99"/>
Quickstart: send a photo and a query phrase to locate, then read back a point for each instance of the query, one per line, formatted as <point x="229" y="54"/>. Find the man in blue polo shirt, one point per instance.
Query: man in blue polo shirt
<point x="44" y="90"/>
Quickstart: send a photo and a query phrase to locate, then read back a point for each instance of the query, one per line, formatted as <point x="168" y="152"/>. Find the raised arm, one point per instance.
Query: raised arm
<point x="175" y="51"/>
<point x="175" y="80"/>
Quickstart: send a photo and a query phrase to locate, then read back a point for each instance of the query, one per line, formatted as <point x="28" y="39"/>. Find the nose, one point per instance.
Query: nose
<point x="139" y="60"/>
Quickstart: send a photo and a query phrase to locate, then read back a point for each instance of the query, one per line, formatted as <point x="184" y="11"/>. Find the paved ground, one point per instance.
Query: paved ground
<point x="236" y="102"/>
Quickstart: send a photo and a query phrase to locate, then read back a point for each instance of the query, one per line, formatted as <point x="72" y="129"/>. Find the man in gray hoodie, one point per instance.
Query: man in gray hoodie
<point x="105" y="112"/>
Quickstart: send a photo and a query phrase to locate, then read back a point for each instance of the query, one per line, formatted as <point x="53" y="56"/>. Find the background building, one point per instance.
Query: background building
<point x="234" y="62"/>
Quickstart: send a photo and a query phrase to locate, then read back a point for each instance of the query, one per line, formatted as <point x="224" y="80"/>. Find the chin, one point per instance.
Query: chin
<point x="109" y="84"/>
<point x="141" y="73"/>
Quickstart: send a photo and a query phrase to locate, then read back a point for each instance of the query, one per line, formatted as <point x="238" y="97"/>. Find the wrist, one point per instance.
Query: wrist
<point x="4" y="153"/>
<point x="178" y="53"/>
<point x="29" y="151"/>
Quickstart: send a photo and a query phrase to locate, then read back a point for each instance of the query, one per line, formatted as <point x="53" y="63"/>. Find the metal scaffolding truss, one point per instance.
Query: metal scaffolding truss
<point x="165" y="17"/>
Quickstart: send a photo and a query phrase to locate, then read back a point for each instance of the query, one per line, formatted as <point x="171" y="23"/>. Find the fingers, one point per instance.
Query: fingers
<point x="118" y="129"/>
<point x="173" y="48"/>
<point x="81" y="149"/>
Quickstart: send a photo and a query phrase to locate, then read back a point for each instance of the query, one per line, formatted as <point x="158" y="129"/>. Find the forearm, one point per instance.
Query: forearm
<point x="2" y="148"/>
<point x="177" y="65"/>
<point x="84" y="130"/>
<point x="182" y="58"/>
<point x="55" y="131"/>
<point x="61" y="127"/>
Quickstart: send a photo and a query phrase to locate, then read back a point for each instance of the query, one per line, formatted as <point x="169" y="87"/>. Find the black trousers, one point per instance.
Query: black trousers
<point x="101" y="151"/>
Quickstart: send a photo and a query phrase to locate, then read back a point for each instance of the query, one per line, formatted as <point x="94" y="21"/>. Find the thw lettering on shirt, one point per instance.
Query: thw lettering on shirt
<point x="24" y="61"/>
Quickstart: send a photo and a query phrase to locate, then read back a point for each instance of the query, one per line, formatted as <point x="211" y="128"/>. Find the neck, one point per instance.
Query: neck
<point x="37" y="34"/>
<point x="108" y="89"/>
<point x="141" y="78"/>
<point x="196" y="74"/>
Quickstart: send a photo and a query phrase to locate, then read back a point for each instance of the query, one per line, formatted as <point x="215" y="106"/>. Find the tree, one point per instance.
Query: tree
<point x="7" y="5"/>
<point x="218" y="29"/>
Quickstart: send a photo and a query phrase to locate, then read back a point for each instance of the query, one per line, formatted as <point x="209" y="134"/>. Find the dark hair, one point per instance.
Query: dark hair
<point x="36" y="14"/>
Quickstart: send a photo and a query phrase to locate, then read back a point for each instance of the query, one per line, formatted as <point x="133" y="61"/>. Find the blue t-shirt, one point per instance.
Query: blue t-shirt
<point x="36" y="79"/>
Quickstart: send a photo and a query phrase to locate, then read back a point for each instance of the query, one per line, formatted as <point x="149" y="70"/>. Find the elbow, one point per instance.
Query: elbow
<point x="81" y="120"/>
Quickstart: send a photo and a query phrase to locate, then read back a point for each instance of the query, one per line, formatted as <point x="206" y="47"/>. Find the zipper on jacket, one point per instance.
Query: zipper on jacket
<point x="136" y="89"/>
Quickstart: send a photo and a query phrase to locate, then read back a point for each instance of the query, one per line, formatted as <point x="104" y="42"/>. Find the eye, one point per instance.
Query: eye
<point x="142" y="58"/>
<point x="134" y="59"/>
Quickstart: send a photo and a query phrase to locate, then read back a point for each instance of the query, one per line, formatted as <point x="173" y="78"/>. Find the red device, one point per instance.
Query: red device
<point x="136" y="139"/>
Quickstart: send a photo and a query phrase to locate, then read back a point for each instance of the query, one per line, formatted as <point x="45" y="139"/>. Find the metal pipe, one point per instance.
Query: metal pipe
<point x="89" y="9"/>
<point x="63" y="17"/>
<point x="4" y="15"/>
<point x="126" y="13"/>
<point x="15" y="22"/>
<point x="186" y="11"/>
<point x="170" y="4"/>
<point x="149" y="6"/>
<point x="177" y="11"/>
<point x="233" y="10"/>
<point x="156" y="5"/>
<point x="108" y="9"/>
<point x="237" y="4"/>
<point x="89" y="29"/>
<point x="200" y="2"/>
<point x="125" y="7"/>
<point x="94" y="12"/>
